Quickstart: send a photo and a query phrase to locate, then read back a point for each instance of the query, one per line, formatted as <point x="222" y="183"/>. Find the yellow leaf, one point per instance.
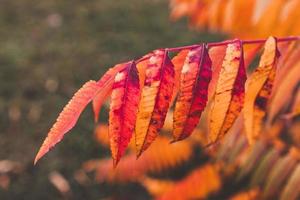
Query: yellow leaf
<point x="155" y="99"/>
<point x="259" y="87"/>
<point x="228" y="100"/>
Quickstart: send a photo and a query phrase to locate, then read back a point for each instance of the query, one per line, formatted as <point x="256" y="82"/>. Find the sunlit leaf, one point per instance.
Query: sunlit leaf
<point x="259" y="88"/>
<point x="106" y="84"/>
<point x="123" y="108"/>
<point x="155" y="99"/>
<point x="229" y="95"/>
<point x="69" y="116"/>
<point x="178" y="62"/>
<point x="193" y="92"/>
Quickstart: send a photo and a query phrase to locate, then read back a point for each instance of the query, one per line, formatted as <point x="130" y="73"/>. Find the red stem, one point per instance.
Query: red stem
<point x="226" y="42"/>
<point x="214" y="44"/>
<point x="285" y="39"/>
<point x="183" y="47"/>
<point x="246" y="42"/>
<point x="142" y="59"/>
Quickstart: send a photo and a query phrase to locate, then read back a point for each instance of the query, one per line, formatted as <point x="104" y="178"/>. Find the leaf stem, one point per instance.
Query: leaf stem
<point x="183" y="47"/>
<point x="226" y="42"/>
<point x="214" y="44"/>
<point x="142" y="58"/>
<point x="284" y="39"/>
<point x="244" y="42"/>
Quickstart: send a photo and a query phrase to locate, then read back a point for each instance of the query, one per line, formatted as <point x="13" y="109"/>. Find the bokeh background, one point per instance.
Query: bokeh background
<point x="48" y="49"/>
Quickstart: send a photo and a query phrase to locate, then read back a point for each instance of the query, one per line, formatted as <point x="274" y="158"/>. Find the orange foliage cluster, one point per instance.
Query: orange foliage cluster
<point x="270" y="166"/>
<point x="159" y="157"/>
<point x="205" y="178"/>
<point x="240" y="18"/>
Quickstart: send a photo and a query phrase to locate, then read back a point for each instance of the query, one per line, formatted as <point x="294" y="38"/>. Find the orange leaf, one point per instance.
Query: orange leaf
<point x="199" y="184"/>
<point x="178" y="62"/>
<point x="156" y="187"/>
<point x="101" y="134"/>
<point x="141" y="67"/>
<point x="182" y="7"/>
<point x="267" y="22"/>
<point x="195" y="77"/>
<point x="155" y="99"/>
<point x="161" y="156"/>
<point x="259" y="90"/>
<point x="289" y="12"/>
<point x="240" y="18"/>
<point x="228" y="100"/>
<point x="217" y="55"/>
<point x="105" y="83"/>
<point x="216" y="13"/>
<point x="69" y="116"/>
<point x="200" y="17"/>
<point x="123" y="108"/>
<point x="246" y="195"/>
<point x="233" y="20"/>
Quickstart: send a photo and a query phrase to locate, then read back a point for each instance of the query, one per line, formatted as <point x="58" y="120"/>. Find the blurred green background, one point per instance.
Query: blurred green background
<point x="48" y="49"/>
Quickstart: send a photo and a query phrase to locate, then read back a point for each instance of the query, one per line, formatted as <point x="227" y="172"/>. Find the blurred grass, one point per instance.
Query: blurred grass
<point x="48" y="49"/>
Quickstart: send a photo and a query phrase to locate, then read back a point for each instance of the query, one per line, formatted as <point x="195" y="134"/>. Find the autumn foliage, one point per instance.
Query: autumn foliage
<point x="268" y="169"/>
<point x="243" y="19"/>
<point x="140" y="108"/>
<point x="235" y="101"/>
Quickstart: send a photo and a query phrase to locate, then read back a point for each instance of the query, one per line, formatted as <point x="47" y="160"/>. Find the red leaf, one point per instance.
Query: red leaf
<point x="123" y="109"/>
<point x="69" y="116"/>
<point x="195" y="77"/>
<point x="217" y="55"/>
<point x="106" y="84"/>
<point x="178" y="62"/>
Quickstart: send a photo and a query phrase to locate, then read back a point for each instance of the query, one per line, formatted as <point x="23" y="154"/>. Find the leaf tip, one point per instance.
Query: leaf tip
<point x="95" y="111"/>
<point x="96" y="118"/>
<point x="38" y="156"/>
<point x="175" y="140"/>
<point x="180" y="138"/>
<point x="44" y="149"/>
<point x="35" y="161"/>
<point x="139" y="153"/>
<point x="115" y="163"/>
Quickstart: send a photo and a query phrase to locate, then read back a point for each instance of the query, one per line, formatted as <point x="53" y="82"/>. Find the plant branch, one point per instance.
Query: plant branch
<point x="215" y="44"/>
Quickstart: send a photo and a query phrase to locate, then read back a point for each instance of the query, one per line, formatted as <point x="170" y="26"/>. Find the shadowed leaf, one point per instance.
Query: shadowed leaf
<point x="259" y="90"/>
